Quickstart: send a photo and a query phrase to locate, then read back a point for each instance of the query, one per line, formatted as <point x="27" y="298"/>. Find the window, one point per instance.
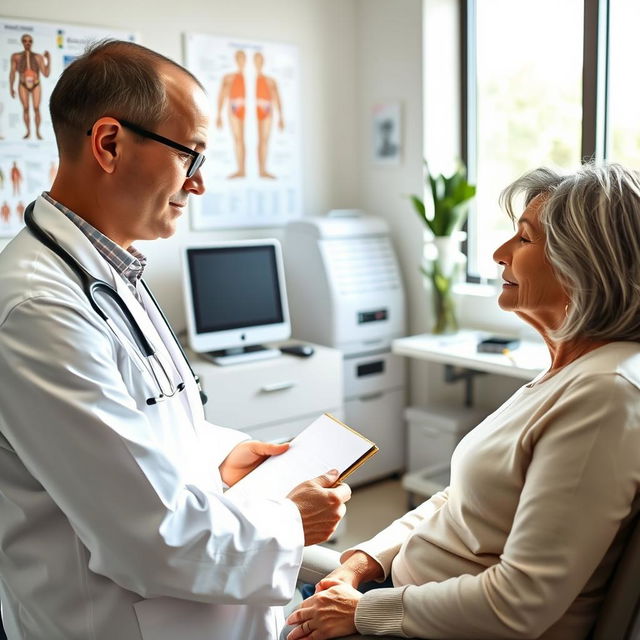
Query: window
<point x="535" y="80"/>
<point x="623" y="140"/>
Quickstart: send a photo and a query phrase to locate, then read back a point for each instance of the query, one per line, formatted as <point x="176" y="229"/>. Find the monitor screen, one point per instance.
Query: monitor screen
<point x="235" y="294"/>
<point x="234" y="287"/>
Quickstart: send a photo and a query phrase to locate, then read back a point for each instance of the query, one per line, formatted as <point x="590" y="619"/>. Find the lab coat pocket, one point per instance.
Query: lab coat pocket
<point x="171" y="618"/>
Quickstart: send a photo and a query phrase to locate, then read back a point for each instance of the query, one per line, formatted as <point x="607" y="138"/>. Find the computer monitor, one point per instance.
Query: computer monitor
<point x="235" y="299"/>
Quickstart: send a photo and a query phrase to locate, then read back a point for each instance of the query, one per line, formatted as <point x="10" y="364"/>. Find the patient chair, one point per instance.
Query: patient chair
<point x="619" y="617"/>
<point x="620" y="612"/>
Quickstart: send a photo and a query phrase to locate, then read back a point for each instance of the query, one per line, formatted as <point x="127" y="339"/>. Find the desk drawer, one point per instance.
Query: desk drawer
<point x="372" y="373"/>
<point x="272" y="391"/>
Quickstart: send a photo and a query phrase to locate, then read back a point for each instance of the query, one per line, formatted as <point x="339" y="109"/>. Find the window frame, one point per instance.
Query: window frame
<point x="595" y="74"/>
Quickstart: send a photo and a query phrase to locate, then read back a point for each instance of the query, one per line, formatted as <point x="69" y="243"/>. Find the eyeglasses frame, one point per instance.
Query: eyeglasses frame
<point x="197" y="158"/>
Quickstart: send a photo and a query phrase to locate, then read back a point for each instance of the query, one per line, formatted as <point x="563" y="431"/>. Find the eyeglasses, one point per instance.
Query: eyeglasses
<point x="197" y="159"/>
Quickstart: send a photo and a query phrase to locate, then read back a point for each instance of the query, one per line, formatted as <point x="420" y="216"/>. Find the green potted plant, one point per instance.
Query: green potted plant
<point x="444" y="217"/>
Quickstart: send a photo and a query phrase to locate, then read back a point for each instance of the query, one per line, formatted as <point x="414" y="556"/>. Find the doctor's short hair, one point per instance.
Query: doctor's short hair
<point x="591" y="220"/>
<point x="111" y="78"/>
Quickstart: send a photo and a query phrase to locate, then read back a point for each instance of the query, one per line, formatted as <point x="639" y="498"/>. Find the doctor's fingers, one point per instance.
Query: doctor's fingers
<point x="321" y="486"/>
<point x="342" y="491"/>
<point x="320" y="527"/>
<point x="268" y="448"/>
<point x="320" y="511"/>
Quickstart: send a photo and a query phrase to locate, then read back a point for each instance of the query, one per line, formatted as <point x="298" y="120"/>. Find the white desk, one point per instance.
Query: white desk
<point x="273" y="400"/>
<point x="460" y="349"/>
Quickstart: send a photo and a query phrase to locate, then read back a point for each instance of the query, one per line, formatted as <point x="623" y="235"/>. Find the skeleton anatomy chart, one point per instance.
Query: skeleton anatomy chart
<point x="32" y="56"/>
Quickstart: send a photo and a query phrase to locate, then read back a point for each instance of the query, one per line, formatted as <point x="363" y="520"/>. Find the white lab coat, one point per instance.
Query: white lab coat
<point x="112" y="520"/>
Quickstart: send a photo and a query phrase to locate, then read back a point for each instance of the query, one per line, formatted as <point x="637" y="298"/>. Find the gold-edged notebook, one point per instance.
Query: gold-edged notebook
<point x="325" y="444"/>
<point x="369" y="453"/>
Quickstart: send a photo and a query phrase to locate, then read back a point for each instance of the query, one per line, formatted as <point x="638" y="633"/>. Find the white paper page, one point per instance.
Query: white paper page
<point x="323" y="445"/>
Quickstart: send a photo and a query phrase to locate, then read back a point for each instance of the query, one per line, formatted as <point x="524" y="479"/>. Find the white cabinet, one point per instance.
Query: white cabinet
<point x="375" y="415"/>
<point x="274" y="399"/>
<point x="374" y="400"/>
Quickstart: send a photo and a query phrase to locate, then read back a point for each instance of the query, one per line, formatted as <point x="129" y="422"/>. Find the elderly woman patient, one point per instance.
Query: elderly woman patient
<point x="523" y="541"/>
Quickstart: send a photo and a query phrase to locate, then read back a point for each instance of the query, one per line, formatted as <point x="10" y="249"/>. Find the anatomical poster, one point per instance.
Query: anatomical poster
<point x="32" y="57"/>
<point x="252" y="174"/>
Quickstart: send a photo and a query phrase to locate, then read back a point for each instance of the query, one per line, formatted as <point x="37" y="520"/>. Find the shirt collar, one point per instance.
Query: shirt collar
<point x="128" y="263"/>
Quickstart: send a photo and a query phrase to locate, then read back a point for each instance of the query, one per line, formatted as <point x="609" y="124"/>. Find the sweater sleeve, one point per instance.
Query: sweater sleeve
<point x="578" y="488"/>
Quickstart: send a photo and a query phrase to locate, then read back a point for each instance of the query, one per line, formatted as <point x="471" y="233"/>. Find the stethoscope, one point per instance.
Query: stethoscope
<point x="90" y="286"/>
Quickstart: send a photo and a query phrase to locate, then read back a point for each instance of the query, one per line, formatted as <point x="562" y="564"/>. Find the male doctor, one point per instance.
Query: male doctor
<point x="113" y="522"/>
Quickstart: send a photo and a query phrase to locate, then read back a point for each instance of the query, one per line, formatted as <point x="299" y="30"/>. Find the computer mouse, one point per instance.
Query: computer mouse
<point x="300" y="350"/>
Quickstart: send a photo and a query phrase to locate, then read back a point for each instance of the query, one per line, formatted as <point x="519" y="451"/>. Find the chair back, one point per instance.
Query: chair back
<point x="619" y="615"/>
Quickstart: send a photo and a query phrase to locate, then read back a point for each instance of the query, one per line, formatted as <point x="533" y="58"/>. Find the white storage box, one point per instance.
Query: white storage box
<point x="425" y="482"/>
<point x="433" y="433"/>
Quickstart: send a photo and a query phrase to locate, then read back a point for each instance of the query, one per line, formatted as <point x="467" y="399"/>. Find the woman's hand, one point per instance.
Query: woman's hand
<point x="245" y="457"/>
<point x="328" y="614"/>
<point x="341" y="575"/>
<point x="359" y="567"/>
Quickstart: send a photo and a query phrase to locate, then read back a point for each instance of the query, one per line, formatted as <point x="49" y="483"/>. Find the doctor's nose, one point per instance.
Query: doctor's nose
<point x="195" y="184"/>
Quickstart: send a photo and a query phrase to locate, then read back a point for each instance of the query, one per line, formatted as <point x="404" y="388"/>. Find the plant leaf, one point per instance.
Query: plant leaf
<point x="450" y="196"/>
<point x="418" y="205"/>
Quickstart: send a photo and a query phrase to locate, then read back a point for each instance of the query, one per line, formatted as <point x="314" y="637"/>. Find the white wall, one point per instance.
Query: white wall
<point x="354" y="53"/>
<point x="395" y="62"/>
<point x="324" y="32"/>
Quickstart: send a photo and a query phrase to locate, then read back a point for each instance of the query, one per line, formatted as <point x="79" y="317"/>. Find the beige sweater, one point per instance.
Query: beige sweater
<point x="521" y="544"/>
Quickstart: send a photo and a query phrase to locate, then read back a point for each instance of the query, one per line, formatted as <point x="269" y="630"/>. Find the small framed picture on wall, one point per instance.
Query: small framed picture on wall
<point x="387" y="134"/>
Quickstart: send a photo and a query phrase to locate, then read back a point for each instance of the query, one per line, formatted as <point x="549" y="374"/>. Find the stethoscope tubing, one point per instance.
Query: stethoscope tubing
<point x="92" y="285"/>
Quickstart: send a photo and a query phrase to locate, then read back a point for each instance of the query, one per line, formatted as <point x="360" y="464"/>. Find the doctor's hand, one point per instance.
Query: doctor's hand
<point x="321" y="505"/>
<point x="328" y="614"/>
<point x="245" y="457"/>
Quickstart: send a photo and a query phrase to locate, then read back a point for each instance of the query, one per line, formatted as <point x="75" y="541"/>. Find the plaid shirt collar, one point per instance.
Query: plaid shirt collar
<point x="129" y="263"/>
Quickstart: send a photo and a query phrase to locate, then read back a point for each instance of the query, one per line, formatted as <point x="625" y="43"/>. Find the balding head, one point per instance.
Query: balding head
<point x="112" y="78"/>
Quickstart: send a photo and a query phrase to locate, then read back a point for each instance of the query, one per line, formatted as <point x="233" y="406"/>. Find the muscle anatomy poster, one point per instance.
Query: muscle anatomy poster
<point x="32" y="57"/>
<point x="252" y="174"/>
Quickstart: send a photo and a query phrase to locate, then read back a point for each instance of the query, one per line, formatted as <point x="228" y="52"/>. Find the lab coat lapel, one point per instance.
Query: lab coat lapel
<point x="71" y="238"/>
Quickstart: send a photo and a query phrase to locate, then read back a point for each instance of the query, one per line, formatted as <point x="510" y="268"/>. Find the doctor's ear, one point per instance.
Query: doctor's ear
<point x="106" y="141"/>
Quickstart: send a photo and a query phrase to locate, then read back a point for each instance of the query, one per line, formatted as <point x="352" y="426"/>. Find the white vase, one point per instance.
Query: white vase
<point x="443" y="266"/>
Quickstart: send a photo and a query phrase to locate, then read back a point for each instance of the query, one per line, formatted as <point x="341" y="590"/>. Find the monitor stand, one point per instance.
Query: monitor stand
<point x="240" y="355"/>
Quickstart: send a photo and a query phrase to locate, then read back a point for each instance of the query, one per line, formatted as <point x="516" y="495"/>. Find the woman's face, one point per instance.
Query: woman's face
<point x="530" y="286"/>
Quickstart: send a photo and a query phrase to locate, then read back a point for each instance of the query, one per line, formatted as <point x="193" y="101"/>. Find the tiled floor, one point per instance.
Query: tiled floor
<point x="371" y="508"/>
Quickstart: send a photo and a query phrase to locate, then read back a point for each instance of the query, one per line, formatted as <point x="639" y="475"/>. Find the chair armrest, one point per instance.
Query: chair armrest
<point x="317" y="562"/>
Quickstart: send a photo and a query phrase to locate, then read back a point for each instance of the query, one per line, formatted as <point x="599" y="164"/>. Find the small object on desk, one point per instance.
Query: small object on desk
<point x="496" y="344"/>
<point x="300" y="350"/>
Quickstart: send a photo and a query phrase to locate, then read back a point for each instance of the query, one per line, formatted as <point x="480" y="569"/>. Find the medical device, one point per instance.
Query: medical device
<point x="235" y="299"/>
<point x="346" y="292"/>
<point x="91" y="286"/>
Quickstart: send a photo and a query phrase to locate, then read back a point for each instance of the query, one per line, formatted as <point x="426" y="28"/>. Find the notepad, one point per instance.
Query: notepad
<point x="325" y="444"/>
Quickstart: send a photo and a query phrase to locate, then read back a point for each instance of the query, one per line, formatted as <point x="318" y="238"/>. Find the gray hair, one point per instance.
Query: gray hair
<point x="591" y="219"/>
<point x="111" y="78"/>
